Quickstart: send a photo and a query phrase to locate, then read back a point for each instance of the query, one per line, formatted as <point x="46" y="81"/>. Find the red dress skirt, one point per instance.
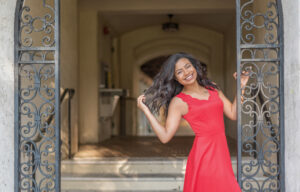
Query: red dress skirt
<point x="208" y="166"/>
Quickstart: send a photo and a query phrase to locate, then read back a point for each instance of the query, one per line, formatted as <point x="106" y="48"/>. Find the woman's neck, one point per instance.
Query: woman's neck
<point x="195" y="87"/>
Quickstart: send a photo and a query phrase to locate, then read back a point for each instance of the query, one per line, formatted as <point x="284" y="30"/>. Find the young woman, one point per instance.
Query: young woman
<point x="182" y="89"/>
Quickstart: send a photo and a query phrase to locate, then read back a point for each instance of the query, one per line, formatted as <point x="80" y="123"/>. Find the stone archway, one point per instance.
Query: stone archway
<point x="16" y="149"/>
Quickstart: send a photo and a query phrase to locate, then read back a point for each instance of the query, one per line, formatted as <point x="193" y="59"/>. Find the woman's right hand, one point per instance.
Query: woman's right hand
<point x="140" y="102"/>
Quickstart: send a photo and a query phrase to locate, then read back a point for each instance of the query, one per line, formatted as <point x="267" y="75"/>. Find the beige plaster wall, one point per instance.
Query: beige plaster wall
<point x="89" y="77"/>
<point x="69" y="71"/>
<point x="95" y="48"/>
<point x="230" y="67"/>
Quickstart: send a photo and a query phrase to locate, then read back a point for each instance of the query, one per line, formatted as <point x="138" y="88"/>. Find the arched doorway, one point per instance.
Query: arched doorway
<point x="37" y="69"/>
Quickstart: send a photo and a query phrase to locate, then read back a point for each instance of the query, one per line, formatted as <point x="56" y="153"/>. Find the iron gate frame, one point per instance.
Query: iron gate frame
<point x="279" y="45"/>
<point x="17" y="62"/>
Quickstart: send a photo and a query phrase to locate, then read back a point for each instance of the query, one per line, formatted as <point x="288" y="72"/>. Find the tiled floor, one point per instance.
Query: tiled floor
<point x="139" y="146"/>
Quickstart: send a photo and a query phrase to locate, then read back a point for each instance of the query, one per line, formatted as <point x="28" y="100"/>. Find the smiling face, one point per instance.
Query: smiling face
<point x="185" y="72"/>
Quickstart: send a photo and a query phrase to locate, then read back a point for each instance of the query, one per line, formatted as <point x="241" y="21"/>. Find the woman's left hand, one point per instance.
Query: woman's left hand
<point x="244" y="78"/>
<point x="141" y="102"/>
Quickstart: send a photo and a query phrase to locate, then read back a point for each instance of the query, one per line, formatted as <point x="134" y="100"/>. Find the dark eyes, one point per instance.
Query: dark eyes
<point x="186" y="66"/>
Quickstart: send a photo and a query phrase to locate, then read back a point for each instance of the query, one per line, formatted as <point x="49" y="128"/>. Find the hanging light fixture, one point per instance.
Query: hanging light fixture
<point x="170" y="26"/>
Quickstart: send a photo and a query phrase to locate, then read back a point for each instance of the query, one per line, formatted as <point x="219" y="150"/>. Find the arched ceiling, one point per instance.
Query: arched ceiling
<point x="126" y="15"/>
<point x="125" y="22"/>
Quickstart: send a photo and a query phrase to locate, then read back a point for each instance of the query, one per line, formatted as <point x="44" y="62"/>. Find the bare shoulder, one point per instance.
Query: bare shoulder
<point x="218" y="90"/>
<point x="176" y="101"/>
<point x="220" y="93"/>
<point x="216" y="85"/>
<point x="179" y="105"/>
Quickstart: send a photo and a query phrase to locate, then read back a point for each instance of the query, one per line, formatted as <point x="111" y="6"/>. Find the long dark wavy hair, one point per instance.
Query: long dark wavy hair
<point x="165" y="86"/>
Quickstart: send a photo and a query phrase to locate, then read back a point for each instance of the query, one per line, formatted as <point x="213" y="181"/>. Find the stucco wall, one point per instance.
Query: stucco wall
<point x="89" y="76"/>
<point x="69" y="71"/>
<point x="230" y="68"/>
<point x="291" y="17"/>
<point x="94" y="49"/>
<point x="7" y="15"/>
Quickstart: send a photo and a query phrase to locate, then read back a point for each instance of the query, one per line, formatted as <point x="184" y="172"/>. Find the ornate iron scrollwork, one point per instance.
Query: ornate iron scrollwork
<point x="260" y="121"/>
<point x="37" y="139"/>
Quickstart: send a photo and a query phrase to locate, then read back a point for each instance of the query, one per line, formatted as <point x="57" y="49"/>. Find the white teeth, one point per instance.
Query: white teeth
<point x="189" y="77"/>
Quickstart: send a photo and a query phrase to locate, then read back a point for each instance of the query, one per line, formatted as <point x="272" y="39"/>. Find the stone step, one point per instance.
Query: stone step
<point x="124" y="166"/>
<point x="134" y="174"/>
<point x="133" y="165"/>
<point x="166" y="183"/>
<point x="123" y="174"/>
<point x="123" y="183"/>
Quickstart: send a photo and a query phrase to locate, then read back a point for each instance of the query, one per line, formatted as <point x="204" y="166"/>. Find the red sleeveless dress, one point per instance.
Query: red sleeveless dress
<point x="208" y="166"/>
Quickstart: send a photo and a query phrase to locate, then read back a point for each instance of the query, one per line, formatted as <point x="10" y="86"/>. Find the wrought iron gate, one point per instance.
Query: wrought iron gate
<point x="260" y="115"/>
<point x="37" y="122"/>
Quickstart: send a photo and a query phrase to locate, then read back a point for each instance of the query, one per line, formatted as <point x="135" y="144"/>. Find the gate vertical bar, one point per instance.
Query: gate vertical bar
<point x="16" y="97"/>
<point x="57" y="93"/>
<point x="281" y="101"/>
<point x="238" y="61"/>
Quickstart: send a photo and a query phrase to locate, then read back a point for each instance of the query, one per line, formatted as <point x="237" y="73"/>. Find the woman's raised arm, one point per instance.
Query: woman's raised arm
<point x="230" y="108"/>
<point x="177" y="108"/>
